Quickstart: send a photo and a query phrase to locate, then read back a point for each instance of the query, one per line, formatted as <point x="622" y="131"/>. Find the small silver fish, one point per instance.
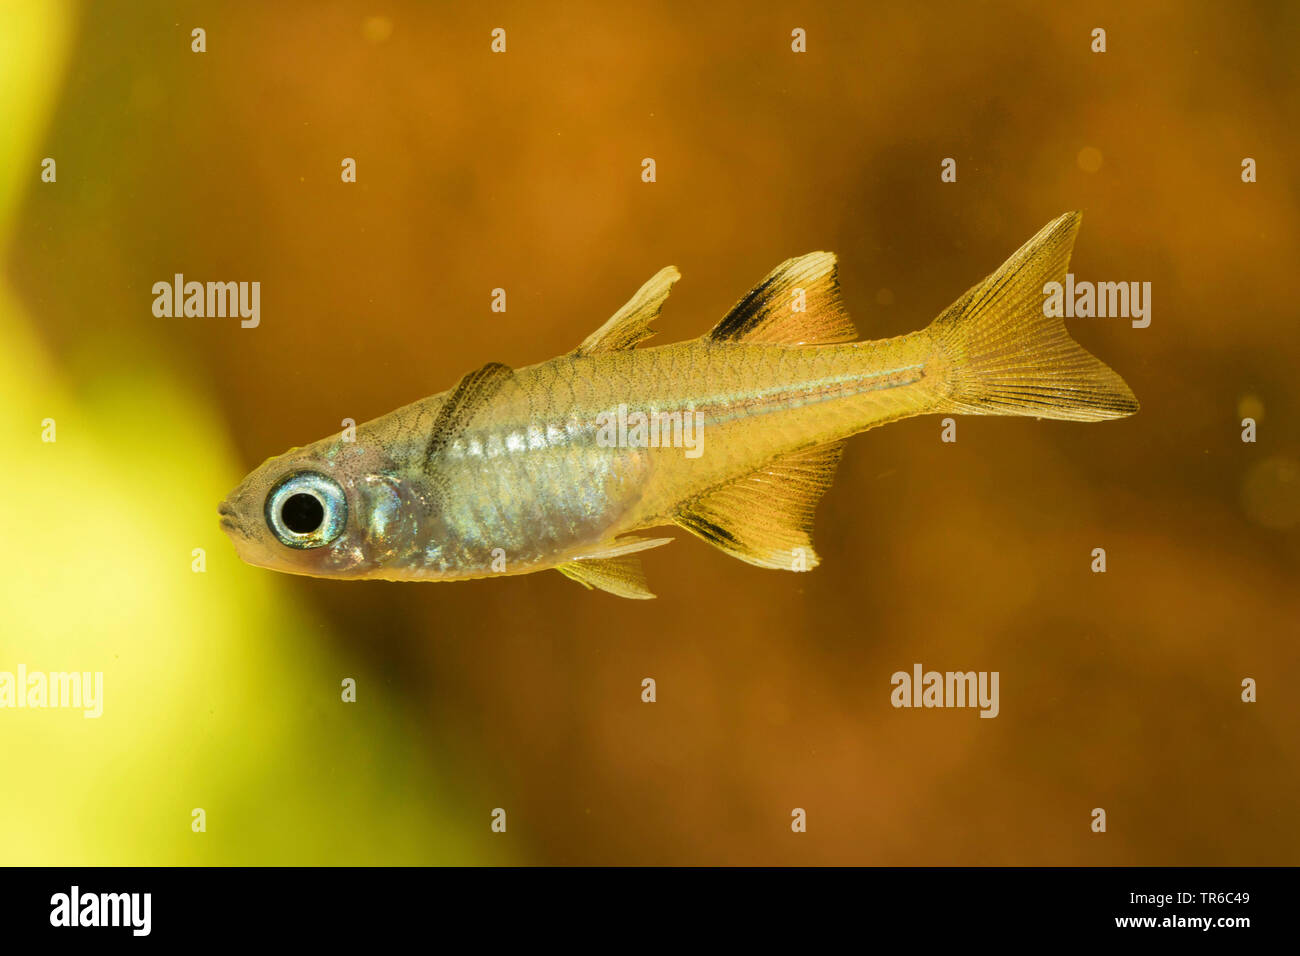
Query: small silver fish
<point x="733" y="436"/>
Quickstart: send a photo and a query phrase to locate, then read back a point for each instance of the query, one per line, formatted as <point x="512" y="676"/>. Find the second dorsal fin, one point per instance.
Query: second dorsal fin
<point x="797" y="304"/>
<point x="630" y="324"/>
<point x="766" y="517"/>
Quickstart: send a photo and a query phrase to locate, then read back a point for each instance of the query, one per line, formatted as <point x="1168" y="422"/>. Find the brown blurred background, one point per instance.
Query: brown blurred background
<point x="522" y="171"/>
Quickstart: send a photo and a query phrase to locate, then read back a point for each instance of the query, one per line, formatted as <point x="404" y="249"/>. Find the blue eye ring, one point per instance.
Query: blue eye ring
<point x="306" y="510"/>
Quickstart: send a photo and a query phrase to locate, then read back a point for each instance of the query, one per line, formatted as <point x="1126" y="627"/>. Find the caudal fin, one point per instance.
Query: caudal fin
<point x="1005" y="357"/>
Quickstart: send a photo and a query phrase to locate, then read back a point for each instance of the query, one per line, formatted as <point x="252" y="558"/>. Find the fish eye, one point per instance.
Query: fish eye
<point x="302" y="513"/>
<point x="306" y="510"/>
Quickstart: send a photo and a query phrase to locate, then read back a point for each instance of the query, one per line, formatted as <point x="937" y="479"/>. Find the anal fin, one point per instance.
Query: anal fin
<point x="766" y="517"/>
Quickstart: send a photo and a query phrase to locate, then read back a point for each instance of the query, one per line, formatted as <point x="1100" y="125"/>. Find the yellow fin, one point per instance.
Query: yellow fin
<point x="620" y="547"/>
<point x="766" y="517"/>
<point x="798" y="303"/>
<point x="622" y="576"/>
<point x="1006" y="356"/>
<point x="630" y="324"/>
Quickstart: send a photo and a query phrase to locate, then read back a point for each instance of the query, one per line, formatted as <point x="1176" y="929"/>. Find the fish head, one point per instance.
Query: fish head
<point x="333" y="509"/>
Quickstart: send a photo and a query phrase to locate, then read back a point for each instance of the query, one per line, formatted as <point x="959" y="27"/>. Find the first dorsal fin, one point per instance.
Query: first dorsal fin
<point x="630" y="324"/>
<point x="766" y="517"/>
<point x="797" y="304"/>
<point x="471" y="393"/>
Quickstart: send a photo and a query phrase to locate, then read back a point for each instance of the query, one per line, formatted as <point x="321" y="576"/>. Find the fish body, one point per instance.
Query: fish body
<point x="732" y="436"/>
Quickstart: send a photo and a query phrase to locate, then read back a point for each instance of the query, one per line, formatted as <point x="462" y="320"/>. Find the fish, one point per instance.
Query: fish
<point x="733" y="437"/>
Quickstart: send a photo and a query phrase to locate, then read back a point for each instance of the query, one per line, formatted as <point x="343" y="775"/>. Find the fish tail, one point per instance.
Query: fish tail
<point x="999" y="354"/>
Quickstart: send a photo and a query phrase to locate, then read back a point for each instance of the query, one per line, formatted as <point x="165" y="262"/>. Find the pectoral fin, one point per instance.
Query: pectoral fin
<point x="630" y="324"/>
<point x="470" y="395"/>
<point x="766" y="517"/>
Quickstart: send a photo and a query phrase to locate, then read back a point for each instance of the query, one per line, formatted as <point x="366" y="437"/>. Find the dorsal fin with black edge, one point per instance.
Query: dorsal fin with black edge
<point x="798" y="303"/>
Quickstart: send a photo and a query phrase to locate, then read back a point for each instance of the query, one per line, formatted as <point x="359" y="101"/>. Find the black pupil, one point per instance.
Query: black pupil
<point x="302" y="514"/>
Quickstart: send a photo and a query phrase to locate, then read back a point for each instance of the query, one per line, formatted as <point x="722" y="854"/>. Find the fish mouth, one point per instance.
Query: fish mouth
<point x="228" y="525"/>
<point x="230" y="521"/>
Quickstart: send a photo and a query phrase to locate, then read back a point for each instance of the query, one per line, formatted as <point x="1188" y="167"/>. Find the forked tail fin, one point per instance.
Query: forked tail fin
<point x="1003" y="356"/>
